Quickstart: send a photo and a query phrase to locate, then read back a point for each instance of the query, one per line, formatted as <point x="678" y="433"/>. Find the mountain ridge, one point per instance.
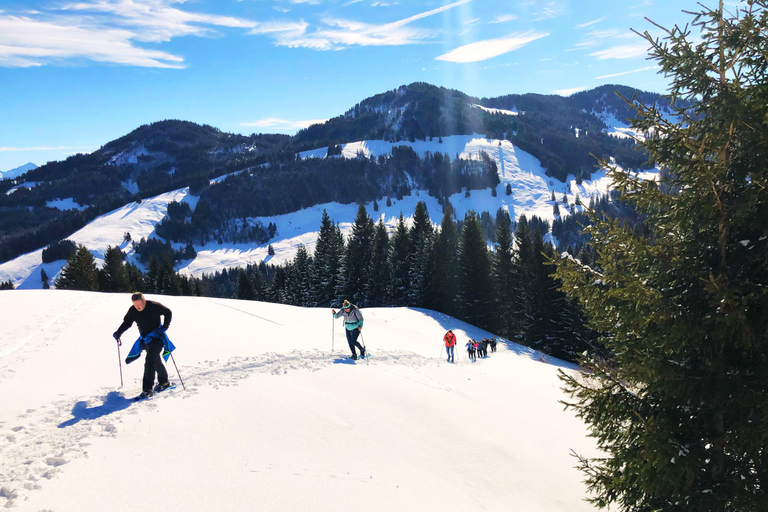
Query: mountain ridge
<point x="171" y="154"/>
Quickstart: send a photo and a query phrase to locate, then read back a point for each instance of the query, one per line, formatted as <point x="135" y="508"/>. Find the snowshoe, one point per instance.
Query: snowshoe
<point x="144" y="395"/>
<point x="163" y="387"/>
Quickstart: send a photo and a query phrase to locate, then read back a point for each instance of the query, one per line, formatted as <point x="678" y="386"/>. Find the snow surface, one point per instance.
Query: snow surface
<point x="68" y="203"/>
<point x="496" y="110"/>
<point x="273" y="416"/>
<point x="531" y="195"/>
<point x="26" y="184"/>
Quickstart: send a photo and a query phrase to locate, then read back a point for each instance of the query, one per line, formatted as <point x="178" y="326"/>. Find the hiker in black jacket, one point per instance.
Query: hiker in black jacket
<point x="146" y="314"/>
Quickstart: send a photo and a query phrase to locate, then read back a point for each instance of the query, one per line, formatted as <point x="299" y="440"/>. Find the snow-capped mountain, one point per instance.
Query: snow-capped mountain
<point x="17" y="171"/>
<point x="531" y="194"/>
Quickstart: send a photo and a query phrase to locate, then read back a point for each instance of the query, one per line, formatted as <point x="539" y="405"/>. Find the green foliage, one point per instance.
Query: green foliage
<point x="113" y="276"/>
<point x="61" y="250"/>
<point x="680" y="408"/>
<point x="476" y="290"/>
<point x="80" y="272"/>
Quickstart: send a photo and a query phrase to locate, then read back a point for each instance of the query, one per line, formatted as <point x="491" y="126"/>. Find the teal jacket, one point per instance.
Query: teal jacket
<point x="353" y="319"/>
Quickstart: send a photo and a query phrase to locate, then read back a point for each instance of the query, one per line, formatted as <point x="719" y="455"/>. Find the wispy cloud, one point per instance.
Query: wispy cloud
<point x="45" y="148"/>
<point x="342" y="33"/>
<point x="625" y="51"/>
<point x="108" y="31"/>
<point x="503" y="18"/>
<point x="26" y="42"/>
<point x="484" y="50"/>
<point x="589" y="23"/>
<point x="568" y="92"/>
<point x="282" y="124"/>
<point x="550" y="10"/>
<point x="647" y="68"/>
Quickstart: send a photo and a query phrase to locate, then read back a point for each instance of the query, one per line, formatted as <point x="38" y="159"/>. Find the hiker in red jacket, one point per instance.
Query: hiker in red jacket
<point x="450" y="342"/>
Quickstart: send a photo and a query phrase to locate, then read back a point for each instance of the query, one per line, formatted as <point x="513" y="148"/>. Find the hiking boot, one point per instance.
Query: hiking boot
<point x="146" y="394"/>
<point x="163" y="386"/>
<point x="362" y="352"/>
<point x="354" y="357"/>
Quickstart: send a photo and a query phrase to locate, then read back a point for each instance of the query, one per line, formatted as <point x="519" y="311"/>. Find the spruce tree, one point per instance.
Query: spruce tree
<point x="445" y="286"/>
<point x="80" y="272"/>
<point x="680" y="410"/>
<point x="244" y="286"/>
<point x="298" y="277"/>
<point x="358" y="258"/>
<point x="522" y="305"/>
<point x="476" y="288"/>
<point x="328" y="258"/>
<point x="113" y="277"/>
<point x="421" y="250"/>
<point x="399" y="258"/>
<point x="380" y="273"/>
<point x="504" y="281"/>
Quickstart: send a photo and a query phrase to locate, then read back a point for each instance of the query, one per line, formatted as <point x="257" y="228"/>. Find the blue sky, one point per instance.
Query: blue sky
<point x="75" y="74"/>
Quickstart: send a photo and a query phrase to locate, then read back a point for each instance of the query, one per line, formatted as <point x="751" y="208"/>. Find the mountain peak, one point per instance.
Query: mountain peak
<point x="17" y="171"/>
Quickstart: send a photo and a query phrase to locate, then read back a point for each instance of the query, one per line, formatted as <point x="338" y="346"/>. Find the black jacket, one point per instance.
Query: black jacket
<point x="147" y="320"/>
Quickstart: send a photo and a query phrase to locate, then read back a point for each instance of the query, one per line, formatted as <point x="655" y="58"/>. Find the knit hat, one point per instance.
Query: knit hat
<point x="346" y="304"/>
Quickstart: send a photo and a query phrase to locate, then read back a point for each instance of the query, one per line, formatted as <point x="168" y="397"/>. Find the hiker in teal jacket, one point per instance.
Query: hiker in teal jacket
<point x="353" y="323"/>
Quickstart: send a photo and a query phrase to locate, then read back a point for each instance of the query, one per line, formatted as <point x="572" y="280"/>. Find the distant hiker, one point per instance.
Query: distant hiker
<point x="484" y="347"/>
<point x="471" y="347"/>
<point x="353" y="323"/>
<point x="493" y="344"/>
<point x="450" y="342"/>
<point x="146" y="314"/>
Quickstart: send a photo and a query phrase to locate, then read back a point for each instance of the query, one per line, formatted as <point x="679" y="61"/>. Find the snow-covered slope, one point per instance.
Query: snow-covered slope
<point x="272" y="418"/>
<point x="531" y="195"/>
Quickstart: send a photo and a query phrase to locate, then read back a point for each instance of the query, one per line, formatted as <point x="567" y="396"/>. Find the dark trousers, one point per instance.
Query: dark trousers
<point x="154" y="364"/>
<point x="352" y="340"/>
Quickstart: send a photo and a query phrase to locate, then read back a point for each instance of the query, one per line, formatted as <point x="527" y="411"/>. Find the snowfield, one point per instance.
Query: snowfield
<point x="531" y="195"/>
<point x="273" y="416"/>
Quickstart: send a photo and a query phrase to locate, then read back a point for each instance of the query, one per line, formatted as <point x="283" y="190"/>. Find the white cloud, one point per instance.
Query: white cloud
<point x="568" y="92"/>
<point x="341" y="33"/>
<point x="104" y="31"/>
<point x="625" y="51"/>
<point x="44" y="148"/>
<point x="282" y="124"/>
<point x="503" y="18"/>
<point x="484" y="50"/>
<point x="647" y="68"/>
<point x="589" y="23"/>
<point x="155" y="20"/>
<point x="551" y="10"/>
<point x="27" y="42"/>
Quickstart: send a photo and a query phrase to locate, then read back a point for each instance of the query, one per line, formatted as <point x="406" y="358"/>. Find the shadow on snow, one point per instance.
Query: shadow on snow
<point x="113" y="402"/>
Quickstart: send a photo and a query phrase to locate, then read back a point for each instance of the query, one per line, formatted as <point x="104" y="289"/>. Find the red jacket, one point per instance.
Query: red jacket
<point x="449" y="339"/>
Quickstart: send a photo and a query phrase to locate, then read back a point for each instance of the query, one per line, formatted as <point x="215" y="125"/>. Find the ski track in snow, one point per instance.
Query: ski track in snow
<point x="39" y="443"/>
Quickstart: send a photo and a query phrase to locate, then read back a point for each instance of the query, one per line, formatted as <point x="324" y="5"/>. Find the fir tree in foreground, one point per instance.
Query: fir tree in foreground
<point x="681" y="407"/>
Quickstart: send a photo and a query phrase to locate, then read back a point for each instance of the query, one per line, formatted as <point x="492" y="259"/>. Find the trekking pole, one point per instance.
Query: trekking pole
<point x="177" y="372"/>
<point x="366" y="350"/>
<point x="333" y="331"/>
<point x="120" y="362"/>
<point x="441" y="351"/>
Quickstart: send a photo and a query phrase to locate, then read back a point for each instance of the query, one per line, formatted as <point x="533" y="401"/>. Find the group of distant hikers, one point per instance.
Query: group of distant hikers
<point x="154" y="341"/>
<point x="475" y="348"/>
